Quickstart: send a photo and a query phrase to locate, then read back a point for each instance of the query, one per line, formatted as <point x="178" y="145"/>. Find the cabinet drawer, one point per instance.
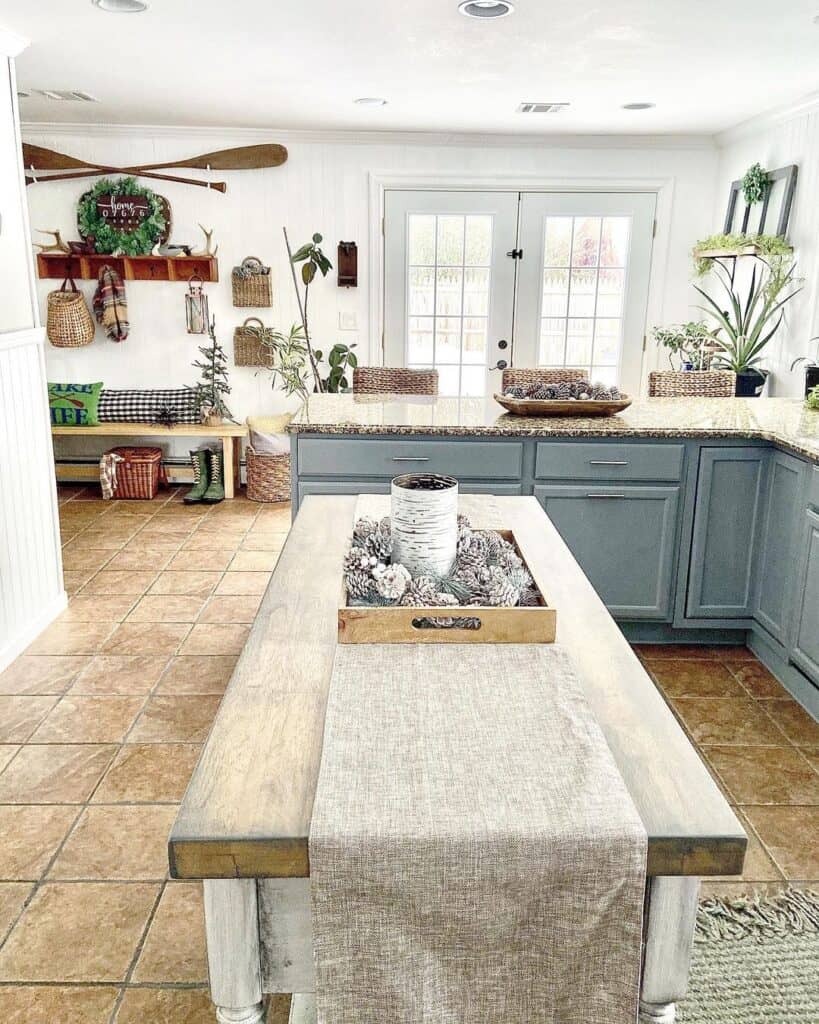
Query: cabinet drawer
<point x="559" y="460"/>
<point x="359" y="457"/>
<point x="624" y="538"/>
<point x="806" y="648"/>
<point x="813" y="487"/>
<point x="383" y="487"/>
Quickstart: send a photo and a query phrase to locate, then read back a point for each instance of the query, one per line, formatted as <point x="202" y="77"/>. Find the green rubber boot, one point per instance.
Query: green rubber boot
<point x="216" y="488"/>
<point x="199" y="460"/>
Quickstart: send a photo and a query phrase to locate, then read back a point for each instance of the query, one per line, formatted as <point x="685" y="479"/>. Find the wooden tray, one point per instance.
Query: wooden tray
<point x="559" y="407"/>
<point x="359" y="624"/>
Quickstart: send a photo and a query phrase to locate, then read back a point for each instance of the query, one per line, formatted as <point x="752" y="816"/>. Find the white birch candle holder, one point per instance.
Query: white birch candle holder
<point x="425" y="522"/>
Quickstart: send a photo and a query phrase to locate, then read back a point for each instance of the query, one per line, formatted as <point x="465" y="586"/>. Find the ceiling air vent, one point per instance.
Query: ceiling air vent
<point x="71" y="95"/>
<point x="541" y="108"/>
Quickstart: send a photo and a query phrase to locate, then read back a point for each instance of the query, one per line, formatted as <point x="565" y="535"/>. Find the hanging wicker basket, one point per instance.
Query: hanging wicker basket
<point x="268" y="476"/>
<point x="69" y="323"/>
<point x="248" y="347"/>
<point x="251" y="283"/>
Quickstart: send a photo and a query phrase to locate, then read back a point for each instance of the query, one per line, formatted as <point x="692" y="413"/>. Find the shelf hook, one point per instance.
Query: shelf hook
<point x="33" y="173"/>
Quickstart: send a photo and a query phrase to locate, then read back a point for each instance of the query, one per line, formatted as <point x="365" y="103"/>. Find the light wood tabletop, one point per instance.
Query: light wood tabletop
<point x="247" y="810"/>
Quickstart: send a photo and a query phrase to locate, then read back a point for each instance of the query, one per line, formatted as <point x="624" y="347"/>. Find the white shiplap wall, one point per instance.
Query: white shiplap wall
<point x="788" y="137"/>
<point x="325" y="186"/>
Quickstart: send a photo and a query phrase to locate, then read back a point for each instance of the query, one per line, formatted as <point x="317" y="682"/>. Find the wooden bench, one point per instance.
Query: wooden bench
<point x="230" y="434"/>
<point x="245" y="820"/>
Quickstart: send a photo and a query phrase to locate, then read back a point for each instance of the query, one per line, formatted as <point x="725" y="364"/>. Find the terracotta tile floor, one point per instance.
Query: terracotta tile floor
<point x="102" y="720"/>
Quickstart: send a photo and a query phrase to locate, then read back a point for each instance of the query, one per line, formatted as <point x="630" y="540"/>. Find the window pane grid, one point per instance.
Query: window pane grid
<point x="581" y="325"/>
<point x="448" y="298"/>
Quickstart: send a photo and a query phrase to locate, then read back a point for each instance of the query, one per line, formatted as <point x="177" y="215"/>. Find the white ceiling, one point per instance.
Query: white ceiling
<point x="707" y="64"/>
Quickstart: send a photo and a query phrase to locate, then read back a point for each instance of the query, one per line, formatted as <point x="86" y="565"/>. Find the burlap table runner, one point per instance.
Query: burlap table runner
<point x="474" y="854"/>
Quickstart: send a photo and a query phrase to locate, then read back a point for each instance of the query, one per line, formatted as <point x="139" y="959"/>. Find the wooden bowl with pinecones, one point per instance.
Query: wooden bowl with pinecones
<point x="565" y="398"/>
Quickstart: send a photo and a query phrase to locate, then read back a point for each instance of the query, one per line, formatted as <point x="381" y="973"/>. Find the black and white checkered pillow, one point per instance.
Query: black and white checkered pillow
<point x="149" y="406"/>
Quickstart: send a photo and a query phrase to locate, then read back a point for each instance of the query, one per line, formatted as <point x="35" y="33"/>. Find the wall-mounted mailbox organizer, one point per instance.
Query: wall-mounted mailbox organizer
<point x="130" y="268"/>
<point x="347" y="265"/>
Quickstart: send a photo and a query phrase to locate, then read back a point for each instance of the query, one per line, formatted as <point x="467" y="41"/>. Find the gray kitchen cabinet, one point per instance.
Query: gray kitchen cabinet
<point x="383" y="487"/>
<point x="805" y="651"/>
<point x="779" y="541"/>
<point x="728" y="514"/>
<point x="624" y="536"/>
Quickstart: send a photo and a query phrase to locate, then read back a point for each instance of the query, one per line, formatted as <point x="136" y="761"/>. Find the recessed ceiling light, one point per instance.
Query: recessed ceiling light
<point x="638" y="106"/>
<point x="486" y="8"/>
<point x="121" y="6"/>
<point x="371" y="101"/>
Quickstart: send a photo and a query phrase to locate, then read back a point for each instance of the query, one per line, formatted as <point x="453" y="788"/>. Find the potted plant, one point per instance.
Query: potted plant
<point x="213" y="384"/>
<point x="690" y="346"/>
<point x="708" y="250"/>
<point x="340" y="359"/>
<point x="811" y="368"/>
<point x="313" y="261"/>
<point x="745" y="328"/>
<point x="812" y="398"/>
<point x="289" y="359"/>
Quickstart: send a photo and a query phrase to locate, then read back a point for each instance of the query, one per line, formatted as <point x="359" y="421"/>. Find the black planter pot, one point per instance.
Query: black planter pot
<point x="811" y="378"/>
<point x="749" y="384"/>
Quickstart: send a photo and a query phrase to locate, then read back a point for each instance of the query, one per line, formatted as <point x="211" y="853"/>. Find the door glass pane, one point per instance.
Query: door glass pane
<point x="591" y="294"/>
<point x="448" y="287"/>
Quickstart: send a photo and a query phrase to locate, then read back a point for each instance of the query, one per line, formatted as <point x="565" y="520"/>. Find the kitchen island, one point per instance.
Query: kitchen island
<point x="696" y="519"/>
<point x="245" y="820"/>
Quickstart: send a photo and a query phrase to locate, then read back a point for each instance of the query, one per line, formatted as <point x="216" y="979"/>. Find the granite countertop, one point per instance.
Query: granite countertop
<point x="784" y="421"/>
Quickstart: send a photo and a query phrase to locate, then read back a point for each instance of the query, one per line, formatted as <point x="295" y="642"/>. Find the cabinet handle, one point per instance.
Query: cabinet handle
<point x="605" y="495"/>
<point x="606" y="462"/>
<point x="410" y="458"/>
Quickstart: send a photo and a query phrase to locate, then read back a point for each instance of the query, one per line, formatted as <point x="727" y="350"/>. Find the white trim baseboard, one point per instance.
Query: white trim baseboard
<point x="15" y="647"/>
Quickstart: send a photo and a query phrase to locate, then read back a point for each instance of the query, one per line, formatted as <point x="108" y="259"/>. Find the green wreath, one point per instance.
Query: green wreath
<point x="108" y="239"/>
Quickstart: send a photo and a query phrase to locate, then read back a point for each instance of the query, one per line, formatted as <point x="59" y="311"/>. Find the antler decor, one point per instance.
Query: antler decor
<point x="58" y="245"/>
<point x="208" y="243"/>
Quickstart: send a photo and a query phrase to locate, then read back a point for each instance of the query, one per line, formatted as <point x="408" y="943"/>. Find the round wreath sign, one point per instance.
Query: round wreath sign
<point x="98" y="209"/>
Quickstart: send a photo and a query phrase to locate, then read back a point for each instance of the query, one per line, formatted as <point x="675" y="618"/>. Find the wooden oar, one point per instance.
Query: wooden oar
<point x="218" y="186"/>
<point x="240" y="158"/>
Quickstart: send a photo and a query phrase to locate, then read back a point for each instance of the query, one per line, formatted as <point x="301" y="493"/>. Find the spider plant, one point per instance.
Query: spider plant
<point x="745" y="328"/>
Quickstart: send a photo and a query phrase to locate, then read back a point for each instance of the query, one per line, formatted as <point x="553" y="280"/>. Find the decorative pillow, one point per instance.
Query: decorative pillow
<point x="267" y="434"/>
<point x="168" y="406"/>
<point x="74" y="405"/>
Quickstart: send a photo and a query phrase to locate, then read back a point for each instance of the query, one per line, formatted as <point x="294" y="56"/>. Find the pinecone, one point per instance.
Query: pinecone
<point x="515" y="392"/>
<point x="379" y="544"/>
<point x="499" y="589"/>
<point x="564" y="391"/>
<point x="363" y="528"/>
<point x="472" y="555"/>
<point x="391" y="581"/>
<point x="581" y="389"/>
<point x="509" y="560"/>
<point x="600" y="393"/>
<point x="357" y="560"/>
<point x="529" y="598"/>
<point x="420" y="593"/>
<point x="359" y="584"/>
<point x="446" y="600"/>
<point x="615" y="393"/>
<point x="520" y="578"/>
<point x="463" y="522"/>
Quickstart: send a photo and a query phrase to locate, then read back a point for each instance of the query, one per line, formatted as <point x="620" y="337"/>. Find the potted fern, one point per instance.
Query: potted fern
<point x="746" y="327"/>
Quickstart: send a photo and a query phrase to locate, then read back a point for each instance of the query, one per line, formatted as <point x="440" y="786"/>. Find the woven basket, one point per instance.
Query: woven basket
<point x="268" y="476"/>
<point x="140" y="473"/>
<point x="539" y="375"/>
<point x="253" y="290"/>
<point x="381" y="380"/>
<point x="692" y="383"/>
<point x="248" y="349"/>
<point x="68" y="323"/>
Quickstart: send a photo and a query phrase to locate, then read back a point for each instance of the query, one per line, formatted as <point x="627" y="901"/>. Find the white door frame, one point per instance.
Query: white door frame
<point x="380" y="182"/>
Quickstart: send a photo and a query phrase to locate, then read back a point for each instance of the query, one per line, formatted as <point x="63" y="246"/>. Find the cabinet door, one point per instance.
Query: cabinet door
<point x="778" y="544"/>
<point x="806" y="647"/>
<point x="730" y="496"/>
<point x="623" y="537"/>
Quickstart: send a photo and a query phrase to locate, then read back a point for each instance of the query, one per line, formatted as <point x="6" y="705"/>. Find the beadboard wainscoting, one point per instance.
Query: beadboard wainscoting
<point x="31" y="577"/>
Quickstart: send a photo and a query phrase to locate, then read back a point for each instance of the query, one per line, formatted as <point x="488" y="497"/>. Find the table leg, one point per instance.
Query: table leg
<point x="227" y="466"/>
<point x="670" y="917"/>
<point x="237" y="465"/>
<point x="234" y="960"/>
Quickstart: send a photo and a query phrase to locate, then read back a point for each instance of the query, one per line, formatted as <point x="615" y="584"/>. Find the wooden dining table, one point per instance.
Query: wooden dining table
<point x="244" y="824"/>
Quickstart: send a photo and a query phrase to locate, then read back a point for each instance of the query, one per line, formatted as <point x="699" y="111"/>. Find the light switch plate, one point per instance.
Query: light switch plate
<point x="347" y="320"/>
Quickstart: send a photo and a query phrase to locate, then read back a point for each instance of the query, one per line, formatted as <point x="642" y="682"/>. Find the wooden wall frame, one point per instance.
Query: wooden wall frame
<point x="789" y="174"/>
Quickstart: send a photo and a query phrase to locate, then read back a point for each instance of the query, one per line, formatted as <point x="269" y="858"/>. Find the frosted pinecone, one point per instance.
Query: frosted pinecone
<point x="473" y="554"/>
<point x="379" y="544"/>
<point x="500" y="590"/>
<point x="529" y="598"/>
<point x="357" y="560"/>
<point x="359" y="584"/>
<point x="420" y="593"/>
<point x="391" y="581"/>
<point x="445" y="600"/>
<point x="471" y="583"/>
<point x="463" y="522"/>
<point x="362" y="530"/>
<point x="520" y="578"/>
<point x="509" y="560"/>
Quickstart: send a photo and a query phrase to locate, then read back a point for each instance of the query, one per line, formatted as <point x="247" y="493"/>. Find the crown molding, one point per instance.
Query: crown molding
<point x="41" y="129"/>
<point x="767" y="120"/>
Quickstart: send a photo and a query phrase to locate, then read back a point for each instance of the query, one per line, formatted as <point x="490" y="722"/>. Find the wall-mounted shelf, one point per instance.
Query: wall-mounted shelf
<point x="130" y="268"/>
<point x="730" y="254"/>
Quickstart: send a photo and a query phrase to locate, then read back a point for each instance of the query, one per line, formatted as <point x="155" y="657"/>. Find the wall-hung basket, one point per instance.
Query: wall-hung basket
<point x="69" y="323"/>
<point x="248" y="347"/>
<point x="251" y="283"/>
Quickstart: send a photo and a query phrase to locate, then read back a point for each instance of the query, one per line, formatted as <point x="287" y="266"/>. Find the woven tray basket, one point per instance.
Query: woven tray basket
<point x="254" y="290"/>
<point x="268" y="476"/>
<point x="694" y="383"/>
<point x="68" y="322"/>
<point x="539" y="375"/>
<point x="248" y="349"/>
<point x="140" y="473"/>
<point x="381" y="380"/>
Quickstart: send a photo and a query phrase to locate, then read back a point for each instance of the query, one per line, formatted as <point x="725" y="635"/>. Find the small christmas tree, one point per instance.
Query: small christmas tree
<point x="213" y="385"/>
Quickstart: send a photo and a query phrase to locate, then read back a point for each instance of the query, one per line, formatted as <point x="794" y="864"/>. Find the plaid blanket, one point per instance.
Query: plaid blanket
<point x="110" y="304"/>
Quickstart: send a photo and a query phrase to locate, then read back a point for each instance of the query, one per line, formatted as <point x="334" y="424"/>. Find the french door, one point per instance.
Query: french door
<point x="478" y="279"/>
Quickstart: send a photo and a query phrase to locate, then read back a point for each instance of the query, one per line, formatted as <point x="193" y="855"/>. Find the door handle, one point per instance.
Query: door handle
<point x="410" y="458"/>
<point x="606" y="462"/>
<point x="501" y="364"/>
<point x="605" y="495"/>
